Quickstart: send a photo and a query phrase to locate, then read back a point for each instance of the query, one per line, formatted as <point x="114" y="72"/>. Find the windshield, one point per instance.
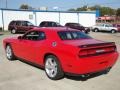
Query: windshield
<point x="72" y="35"/>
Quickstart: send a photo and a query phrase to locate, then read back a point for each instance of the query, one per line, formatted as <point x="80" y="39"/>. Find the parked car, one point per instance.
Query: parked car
<point x="117" y="26"/>
<point x="78" y="26"/>
<point x="49" y="24"/>
<point x="104" y="27"/>
<point x="20" y="26"/>
<point x="61" y="51"/>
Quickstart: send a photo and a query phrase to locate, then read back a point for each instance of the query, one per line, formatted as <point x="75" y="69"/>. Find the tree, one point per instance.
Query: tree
<point x="84" y="8"/>
<point x="118" y="12"/>
<point x="72" y="9"/>
<point x="107" y="11"/>
<point x="25" y="6"/>
<point x="103" y="10"/>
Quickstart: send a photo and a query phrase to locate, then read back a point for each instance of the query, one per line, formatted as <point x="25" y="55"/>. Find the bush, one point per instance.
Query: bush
<point x="0" y="28"/>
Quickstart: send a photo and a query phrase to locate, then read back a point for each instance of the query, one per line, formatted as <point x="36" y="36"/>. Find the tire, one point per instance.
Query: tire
<point x="113" y="31"/>
<point x="107" y="71"/>
<point x="96" y="30"/>
<point x="9" y="53"/>
<point x="53" y="68"/>
<point x="86" y="32"/>
<point x="13" y="31"/>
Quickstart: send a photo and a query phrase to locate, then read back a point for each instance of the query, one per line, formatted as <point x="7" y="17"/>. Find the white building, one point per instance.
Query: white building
<point x="35" y="16"/>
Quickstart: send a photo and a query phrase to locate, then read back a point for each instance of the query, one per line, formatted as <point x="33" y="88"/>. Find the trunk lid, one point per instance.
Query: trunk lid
<point x="90" y="47"/>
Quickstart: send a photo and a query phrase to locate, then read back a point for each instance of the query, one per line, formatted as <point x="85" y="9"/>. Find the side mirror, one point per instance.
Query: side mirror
<point x="19" y="37"/>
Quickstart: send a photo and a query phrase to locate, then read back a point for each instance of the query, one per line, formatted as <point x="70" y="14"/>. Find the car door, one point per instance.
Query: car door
<point x="24" y="26"/>
<point x="29" y="25"/>
<point x="18" y="25"/>
<point x="107" y="27"/>
<point x="30" y="45"/>
<point x="101" y="27"/>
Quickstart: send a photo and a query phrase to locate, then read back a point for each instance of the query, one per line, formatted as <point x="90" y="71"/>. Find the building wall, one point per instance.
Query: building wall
<point x="17" y="15"/>
<point x="47" y="16"/>
<point x="87" y="19"/>
<point x="35" y="17"/>
<point x="68" y="17"/>
<point x="1" y="25"/>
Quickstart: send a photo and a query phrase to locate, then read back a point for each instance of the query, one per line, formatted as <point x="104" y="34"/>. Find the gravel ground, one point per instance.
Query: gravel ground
<point x="16" y="75"/>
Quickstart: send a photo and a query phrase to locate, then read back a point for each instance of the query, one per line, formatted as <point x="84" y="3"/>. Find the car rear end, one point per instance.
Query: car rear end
<point x="11" y="25"/>
<point x="118" y="27"/>
<point x="94" y="58"/>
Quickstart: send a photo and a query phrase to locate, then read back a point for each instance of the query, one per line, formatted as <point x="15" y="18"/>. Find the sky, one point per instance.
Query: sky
<point x="62" y="5"/>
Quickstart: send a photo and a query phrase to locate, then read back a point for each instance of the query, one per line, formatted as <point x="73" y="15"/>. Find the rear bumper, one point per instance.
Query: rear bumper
<point x="91" y="64"/>
<point x="87" y="74"/>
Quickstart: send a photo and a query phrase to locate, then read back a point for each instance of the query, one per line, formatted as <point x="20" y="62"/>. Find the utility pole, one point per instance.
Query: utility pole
<point x="0" y="4"/>
<point x="6" y="4"/>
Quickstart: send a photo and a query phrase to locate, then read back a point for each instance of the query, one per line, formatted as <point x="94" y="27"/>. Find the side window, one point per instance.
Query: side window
<point x="29" y="24"/>
<point x="43" y="24"/>
<point x="106" y="25"/>
<point x="34" y="35"/>
<point x="23" y="23"/>
<point x="54" y="24"/>
<point x="41" y="36"/>
<point x="18" y="23"/>
<point x="49" y="24"/>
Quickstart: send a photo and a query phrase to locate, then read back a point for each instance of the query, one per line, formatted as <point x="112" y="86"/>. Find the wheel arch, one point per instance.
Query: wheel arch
<point x="6" y="43"/>
<point x="96" y="28"/>
<point x="47" y="54"/>
<point x="114" y="30"/>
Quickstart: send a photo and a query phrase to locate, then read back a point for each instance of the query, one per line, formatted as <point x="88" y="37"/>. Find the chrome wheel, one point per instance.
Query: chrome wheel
<point x="51" y="67"/>
<point x="13" y="31"/>
<point x="8" y="52"/>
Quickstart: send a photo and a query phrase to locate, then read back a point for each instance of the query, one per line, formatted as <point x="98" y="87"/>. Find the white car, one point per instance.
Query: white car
<point x="104" y="27"/>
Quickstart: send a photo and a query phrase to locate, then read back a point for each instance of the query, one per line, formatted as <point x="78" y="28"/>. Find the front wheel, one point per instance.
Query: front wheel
<point x="53" y="68"/>
<point x="96" y="30"/>
<point x="9" y="53"/>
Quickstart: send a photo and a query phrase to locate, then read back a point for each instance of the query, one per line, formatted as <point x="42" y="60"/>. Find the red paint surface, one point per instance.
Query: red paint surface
<point x="67" y="51"/>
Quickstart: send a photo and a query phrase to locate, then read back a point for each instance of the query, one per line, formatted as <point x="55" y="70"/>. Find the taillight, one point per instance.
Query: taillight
<point x="82" y="53"/>
<point x="96" y="51"/>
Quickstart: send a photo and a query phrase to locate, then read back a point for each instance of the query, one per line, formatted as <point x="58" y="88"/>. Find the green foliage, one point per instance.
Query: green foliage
<point x="107" y="11"/>
<point x="72" y="9"/>
<point x="25" y="6"/>
<point x="118" y="12"/>
<point x="84" y="8"/>
<point x="103" y="10"/>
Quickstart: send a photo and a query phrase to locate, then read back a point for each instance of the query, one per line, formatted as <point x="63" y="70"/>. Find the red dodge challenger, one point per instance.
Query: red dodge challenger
<point x="62" y="51"/>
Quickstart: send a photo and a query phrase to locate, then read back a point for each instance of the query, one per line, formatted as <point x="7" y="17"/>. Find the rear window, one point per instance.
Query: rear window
<point x="12" y="22"/>
<point x="72" y="35"/>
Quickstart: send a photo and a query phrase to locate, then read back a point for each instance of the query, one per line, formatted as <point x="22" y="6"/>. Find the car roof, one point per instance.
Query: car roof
<point x="48" y="21"/>
<point x="54" y="29"/>
<point x="72" y="23"/>
<point x="19" y="21"/>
